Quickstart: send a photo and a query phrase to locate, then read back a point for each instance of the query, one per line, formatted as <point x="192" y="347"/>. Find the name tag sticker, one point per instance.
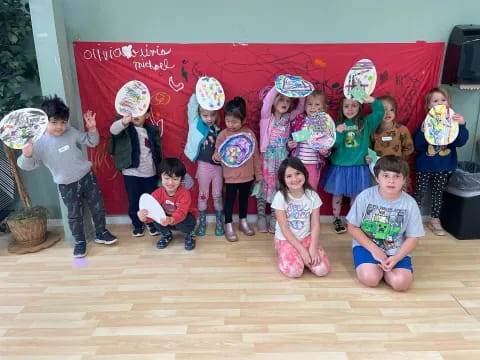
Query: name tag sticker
<point x="63" y="148"/>
<point x="386" y="138"/>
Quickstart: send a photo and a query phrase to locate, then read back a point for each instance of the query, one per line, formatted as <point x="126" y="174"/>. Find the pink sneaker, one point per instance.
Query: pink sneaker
<point x="436" y="227"/>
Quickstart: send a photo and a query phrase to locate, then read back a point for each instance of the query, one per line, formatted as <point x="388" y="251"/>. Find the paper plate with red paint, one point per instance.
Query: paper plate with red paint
<point x="20" y="126"/>
<point x="322" y="131"/>
<point x="293" y="86"/>
<point x="363" y="73"/>
<point x="237" y="149"/>
<point x="133" y="98"/>
<point x="210" y="94"/>
<point x="439" y="128"/>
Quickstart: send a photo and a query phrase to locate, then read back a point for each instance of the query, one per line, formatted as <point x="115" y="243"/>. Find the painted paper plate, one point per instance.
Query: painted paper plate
<point x="237" y="149"/>
<point x="210" y="94"/>
<point x="362" y="73"/>
<point x="20" y="126"/>
<point x="322" y="130"/>
<point x="440" y="129"/>
<point x="133" y="98"/>
<point x="293" y="86"/>
<point x="155" y="210"/>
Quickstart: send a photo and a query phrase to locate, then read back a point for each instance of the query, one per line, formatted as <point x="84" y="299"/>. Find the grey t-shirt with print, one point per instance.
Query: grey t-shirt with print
<point x="386" y="223"/>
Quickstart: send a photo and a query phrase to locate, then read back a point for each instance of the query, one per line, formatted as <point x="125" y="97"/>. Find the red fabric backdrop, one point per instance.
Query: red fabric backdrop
<point x="405" y="71"/>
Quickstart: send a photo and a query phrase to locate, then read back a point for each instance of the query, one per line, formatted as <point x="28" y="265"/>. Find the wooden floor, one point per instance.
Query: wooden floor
<point x="228" y="301"/>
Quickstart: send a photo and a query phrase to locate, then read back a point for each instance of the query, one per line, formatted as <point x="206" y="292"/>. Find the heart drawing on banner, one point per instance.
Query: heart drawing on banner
<point x="176" y="87"/>
<point x="127" y="51"/>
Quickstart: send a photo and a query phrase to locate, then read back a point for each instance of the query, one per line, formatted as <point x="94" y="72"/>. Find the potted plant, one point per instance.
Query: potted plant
<point x="18" y="71"/>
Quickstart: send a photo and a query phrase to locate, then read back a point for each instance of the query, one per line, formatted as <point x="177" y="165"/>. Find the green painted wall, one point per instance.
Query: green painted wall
<point x="274" y="21"/>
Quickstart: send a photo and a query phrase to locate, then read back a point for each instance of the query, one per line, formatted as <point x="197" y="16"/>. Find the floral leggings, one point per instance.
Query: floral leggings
<point x="290" y="262"/>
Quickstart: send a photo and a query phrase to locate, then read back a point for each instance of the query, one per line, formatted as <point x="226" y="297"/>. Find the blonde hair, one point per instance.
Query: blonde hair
<point x="429" y="96"/>
<point x="321" y="94"/>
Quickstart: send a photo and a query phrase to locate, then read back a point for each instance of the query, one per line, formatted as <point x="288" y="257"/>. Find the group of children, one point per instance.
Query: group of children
<point x="384" y="220"/>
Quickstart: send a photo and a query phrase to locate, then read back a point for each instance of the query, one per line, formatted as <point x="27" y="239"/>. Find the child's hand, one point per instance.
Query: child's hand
<point x="314" y="256"/>
<point x="127" y="120"/>
<point x="305" y="256"/>
<point x="341" y="127"/>
<point x="379" y="255"/>
<point x="459" y="119"/>
<point x="369" y="100"/>
<point x="90" y="122"/>
<point x="27" y="151"/>
<point x="167" y="221"/>
<point x="217" y="157"/>
<point x="142" y="215"/>
<point x="292" y="144"/>
<point x="390" y="263"/>
<point x="324" y="152"/>
<point x="368" y="159"/>
<point x="422" y="127"/>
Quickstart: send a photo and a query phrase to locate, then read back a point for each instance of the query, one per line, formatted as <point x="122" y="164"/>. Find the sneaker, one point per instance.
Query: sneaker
<point x="190" y="241"/>
<point x="105" y="238"/>
<point x="339" y="227"/>
<point x="80" y="250"/>
<point x="164" y="240"/>
<point x="152" y="230"/>
<point x="138" y="232"/>
<point x="262" y="224"/>
<point x="436" y="228"/>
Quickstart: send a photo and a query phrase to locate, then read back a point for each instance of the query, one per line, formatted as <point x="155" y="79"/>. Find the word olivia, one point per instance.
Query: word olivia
<point x="127" y="51"/>
<point x="163" y="65"/>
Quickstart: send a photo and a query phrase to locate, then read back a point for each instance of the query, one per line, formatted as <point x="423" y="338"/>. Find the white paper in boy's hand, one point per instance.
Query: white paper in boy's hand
<point x="155" y="210"/>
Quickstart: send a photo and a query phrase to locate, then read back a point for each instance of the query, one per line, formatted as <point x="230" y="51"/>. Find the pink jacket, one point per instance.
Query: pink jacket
<point x="267" y="119"/>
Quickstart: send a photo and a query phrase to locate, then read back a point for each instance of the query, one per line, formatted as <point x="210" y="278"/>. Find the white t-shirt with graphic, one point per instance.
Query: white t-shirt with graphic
<point x="386" y="223"/>
<point x="298" y="213"/>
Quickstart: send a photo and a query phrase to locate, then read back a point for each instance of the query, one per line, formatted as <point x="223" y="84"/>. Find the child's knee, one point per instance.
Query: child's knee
<point x="369" y="278"/>
<point x="290" y="271"/>
<point x="400" y="283"/>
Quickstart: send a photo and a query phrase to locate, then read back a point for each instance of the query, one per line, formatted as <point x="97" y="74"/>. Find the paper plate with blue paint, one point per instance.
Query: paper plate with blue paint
<point x="20" y="126"/>
<point x="364" y="74"/>
<point x="293" y="86"/>
<point x="210" y="94"/>
<point x="133" y="99"/>
<point x="237" y="149"/>
<point x="439" y="128"/>
<point x="322" y="131"/>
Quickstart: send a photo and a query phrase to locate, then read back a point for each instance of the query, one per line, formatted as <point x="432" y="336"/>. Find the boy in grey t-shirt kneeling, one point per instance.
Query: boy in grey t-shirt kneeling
<point x="386" y="225"/>
<point x="58" y="150"/>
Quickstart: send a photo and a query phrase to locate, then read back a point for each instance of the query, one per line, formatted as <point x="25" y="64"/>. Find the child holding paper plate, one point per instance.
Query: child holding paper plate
<point x="435" y="163"/>
<point x="137" y="151"/>
<point x="236" y="148"/>
<point x="348" y="174"/>
<point x="276" y="115"/>
<point x="176" y="202"/>
<point x="203" y="121"/>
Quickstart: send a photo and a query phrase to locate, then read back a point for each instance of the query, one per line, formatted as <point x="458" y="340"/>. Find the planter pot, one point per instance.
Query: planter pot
<point x="28" y="229"/>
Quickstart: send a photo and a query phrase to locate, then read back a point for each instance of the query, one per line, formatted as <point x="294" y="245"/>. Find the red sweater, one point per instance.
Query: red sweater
<point x="177" y="206"/>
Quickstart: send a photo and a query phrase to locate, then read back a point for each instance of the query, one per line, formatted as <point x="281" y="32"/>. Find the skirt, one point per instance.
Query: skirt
<point x="346" y="180"/>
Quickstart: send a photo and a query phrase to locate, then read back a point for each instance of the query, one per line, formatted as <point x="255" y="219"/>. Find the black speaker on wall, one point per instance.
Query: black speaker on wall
<point x="462" y="59"/>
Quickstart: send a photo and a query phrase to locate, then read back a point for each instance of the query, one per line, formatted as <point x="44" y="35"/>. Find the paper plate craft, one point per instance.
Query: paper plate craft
<point x="293" y="86"/>
<point x="301" y="135"/>
<point x="133" y="98"/>
<point x="373" y="155"/>
<point x="187" y="181"/>
<point x="363" y="73"/>
<point x="237" y="149"/>
<point x="440" y="129"/>
<point x="155" y="210"/>
<point x="322" y="131"/>
<point x="210" y="94"/>
<point x="20" y="126"/>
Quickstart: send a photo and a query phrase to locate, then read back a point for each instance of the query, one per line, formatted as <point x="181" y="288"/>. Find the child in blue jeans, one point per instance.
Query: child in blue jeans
<point x="177" y="204"/>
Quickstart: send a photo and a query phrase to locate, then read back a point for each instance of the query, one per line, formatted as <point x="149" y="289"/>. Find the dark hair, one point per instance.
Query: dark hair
<point x="440" y="90"/>
<point x="54" y="107"/>
<point x="294" y="163"/>
<point x="357" y="119"/>
<point x="392" y="163"/>
<point x="173" y="167"/>
<point x="236" y="108"/>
